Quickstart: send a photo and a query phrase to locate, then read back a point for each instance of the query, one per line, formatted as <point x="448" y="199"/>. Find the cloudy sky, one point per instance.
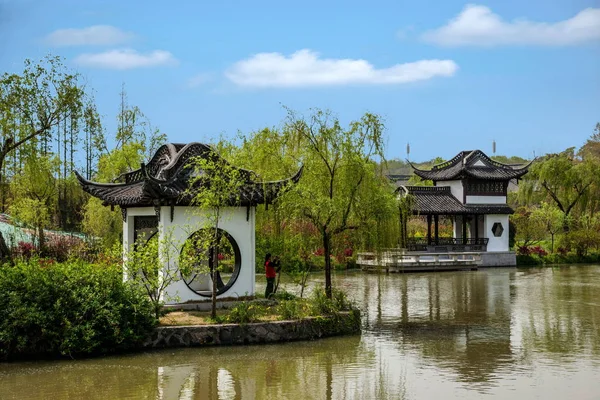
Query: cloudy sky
<point x="445" y="75"/>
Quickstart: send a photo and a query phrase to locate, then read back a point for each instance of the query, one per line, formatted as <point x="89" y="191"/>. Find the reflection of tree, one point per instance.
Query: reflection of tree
<point x="456" y="320"/>
<point x="563" y="314"/>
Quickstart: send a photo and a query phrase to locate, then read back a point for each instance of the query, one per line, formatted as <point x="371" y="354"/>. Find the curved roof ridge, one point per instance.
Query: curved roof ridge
<point x="148" y="185"/>
<point x="446" y="164"/>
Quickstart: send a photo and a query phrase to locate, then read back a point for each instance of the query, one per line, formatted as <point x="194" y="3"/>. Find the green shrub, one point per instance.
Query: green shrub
<point x="569" y="258"/>
<point x="284" y="295"/>
<point x="341" y="301"/>
<point x="320" y="304"/>
<point x="292" y="309"/>
<point x="245" y="312"/>
<point x="72" y="308"/>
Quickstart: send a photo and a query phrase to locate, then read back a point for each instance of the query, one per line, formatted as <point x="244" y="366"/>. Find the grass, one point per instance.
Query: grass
<point x="182" y="318"/>
<point x="284" y="306"/>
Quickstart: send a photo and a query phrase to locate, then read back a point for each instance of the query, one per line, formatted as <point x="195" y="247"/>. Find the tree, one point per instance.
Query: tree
<point x="151" y="271"/>
<point x="591" y="148"/>
<point x="35" y="189"/>
<point x="32" y="103"/>
<point x="216" y="185"/>
<point x="565" y="179"/>
<point x="405" y="209"/>
<point x="551" y="219"/>
<point x="136" y="140"/>
<point x="338" y="163"/>
<point x="529" y="230"/>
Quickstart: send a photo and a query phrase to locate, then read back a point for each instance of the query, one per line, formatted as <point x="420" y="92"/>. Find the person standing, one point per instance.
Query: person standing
<point x="271" y="269"/>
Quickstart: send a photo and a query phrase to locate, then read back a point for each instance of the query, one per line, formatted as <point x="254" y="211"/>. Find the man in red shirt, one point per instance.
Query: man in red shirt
<point x="272" y="267"/>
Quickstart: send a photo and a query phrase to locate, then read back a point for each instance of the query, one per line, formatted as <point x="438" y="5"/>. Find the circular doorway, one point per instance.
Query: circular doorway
<point x="203" y="252"/>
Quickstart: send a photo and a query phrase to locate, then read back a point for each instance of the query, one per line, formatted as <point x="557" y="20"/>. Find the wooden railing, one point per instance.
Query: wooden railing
<point x="443" y="245"/>
<point x="396" y="260"/>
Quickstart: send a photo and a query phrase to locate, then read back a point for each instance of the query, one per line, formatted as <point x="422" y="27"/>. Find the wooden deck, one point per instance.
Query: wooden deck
<point x="399" y="261"/>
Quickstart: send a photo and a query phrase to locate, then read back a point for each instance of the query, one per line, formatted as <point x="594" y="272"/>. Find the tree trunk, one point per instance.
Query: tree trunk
<point x="326" y="246"/>
<point x="215" y="266"/>
<point x="552" y="245"/>
<point x="566" y="223"/>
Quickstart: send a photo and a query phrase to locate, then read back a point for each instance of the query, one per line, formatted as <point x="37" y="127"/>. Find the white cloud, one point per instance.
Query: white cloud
<point x="126" y="59"/>
<point x="479" y="26"/>
<point x="103" y="35"/>
<point x="305" y="68"/>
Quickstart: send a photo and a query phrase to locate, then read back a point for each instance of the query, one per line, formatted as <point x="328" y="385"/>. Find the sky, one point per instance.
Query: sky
<point x="445" y="76"/>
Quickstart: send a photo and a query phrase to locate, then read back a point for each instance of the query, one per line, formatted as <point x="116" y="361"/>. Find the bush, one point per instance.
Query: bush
<point x="61" y="247"/>
<point x="569" y="258"/>
<point x="245" y="312"/>
<point x="284" y="295"/>
<point x="292" y="309"/>
<point x="25" y="250"/>
<point x="538" y="250"/>
<point x="74" y="308"/>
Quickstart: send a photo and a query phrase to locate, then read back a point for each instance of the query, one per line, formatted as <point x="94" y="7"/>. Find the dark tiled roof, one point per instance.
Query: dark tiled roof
<point x="166" y="178"/>
<point x="439" y="200"/>
<point x="463" y="166"/>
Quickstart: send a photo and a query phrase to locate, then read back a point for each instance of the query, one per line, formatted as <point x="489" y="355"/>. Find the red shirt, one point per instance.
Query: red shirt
<point x="270" y="269"/>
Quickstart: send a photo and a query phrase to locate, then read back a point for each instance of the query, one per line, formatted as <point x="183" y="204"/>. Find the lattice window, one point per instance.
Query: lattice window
<point x="485" y="188"/>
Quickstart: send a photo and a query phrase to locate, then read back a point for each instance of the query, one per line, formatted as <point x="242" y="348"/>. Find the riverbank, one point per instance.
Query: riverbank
<point x="308" y="328"/>
<point x="525" y="260"/>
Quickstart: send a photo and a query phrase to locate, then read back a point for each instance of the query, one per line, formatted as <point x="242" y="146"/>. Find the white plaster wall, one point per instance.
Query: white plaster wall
<point x="456" y="187"/>
<point x="186" y="221"/>
<point x="496" y="243"/>
<point x="486" y="200"/>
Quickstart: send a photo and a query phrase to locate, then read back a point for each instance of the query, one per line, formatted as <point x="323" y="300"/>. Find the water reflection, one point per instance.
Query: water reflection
<point x="459" y="321"/>
<point x="534" y="333"/>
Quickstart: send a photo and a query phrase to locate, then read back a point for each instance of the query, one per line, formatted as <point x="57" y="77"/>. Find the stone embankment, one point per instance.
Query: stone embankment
<point x="253" y="333"/>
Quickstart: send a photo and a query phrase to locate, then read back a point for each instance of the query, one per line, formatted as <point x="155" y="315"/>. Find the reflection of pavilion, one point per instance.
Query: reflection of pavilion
<point x="460" y="321"/>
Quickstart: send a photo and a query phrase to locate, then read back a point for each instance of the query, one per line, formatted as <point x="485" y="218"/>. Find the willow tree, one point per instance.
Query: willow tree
<point x="565" y="179"/>
<point x="338" y="165"/>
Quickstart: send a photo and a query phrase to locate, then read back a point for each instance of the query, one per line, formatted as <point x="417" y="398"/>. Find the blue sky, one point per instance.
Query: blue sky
<point x="445" y="76"/>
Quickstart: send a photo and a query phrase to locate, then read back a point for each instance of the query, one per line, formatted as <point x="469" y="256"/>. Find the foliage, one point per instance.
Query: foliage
<point x="215" y="185"/>
<point x="528" y="229"/>
<point x="150" y="272"/>
<point x="245" y="312"/>
<point x="565" y="179"/>
<point x="550" y="218"/>
<point x="557" y="258"/>
<point x="292" y="309"/>
<point x="71" y="309"/>
<point x="340" y="189"/>
<point x="321" y="304"/>
<point x="405" y="207"/>
<point x="101" y="223"/>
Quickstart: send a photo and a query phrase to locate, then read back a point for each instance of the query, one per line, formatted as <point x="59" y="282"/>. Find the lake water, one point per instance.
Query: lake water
<point x="498" y="333"/>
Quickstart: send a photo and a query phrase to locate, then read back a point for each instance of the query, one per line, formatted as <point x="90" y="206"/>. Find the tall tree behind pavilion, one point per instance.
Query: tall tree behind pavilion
<point x="338" y="165"/>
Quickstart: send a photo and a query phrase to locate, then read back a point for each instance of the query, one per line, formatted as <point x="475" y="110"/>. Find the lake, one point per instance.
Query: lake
<point x="496" y="333"/>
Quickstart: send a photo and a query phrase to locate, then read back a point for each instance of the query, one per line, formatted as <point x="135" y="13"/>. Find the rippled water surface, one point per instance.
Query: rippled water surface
<point x="501" y="333"/>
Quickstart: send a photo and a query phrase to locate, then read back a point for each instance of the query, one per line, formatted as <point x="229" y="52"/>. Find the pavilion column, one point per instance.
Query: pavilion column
<point x="476" y="228"/>
<point x="464" y="229"/>
<point x="428" y="229"/>
<point x="436" y="231"/>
